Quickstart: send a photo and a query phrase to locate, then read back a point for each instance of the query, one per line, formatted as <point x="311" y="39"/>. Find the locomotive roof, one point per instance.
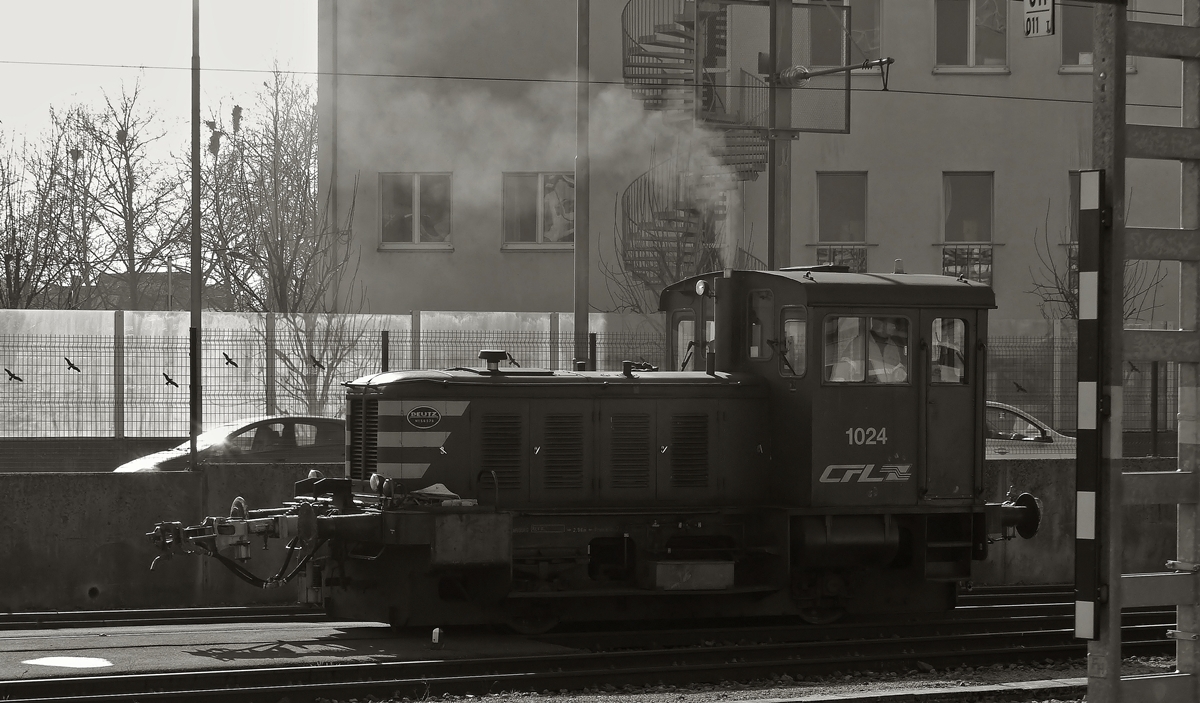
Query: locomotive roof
<point x="534" y="376"/>
<point x="840" y="288"/>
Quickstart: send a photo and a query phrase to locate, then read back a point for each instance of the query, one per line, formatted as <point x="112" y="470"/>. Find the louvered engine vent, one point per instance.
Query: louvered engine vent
<point x="563" y="452"/>
<point x="362" y="452"/>
<point x="689" y="451"/>
<point x="501" y="450"/>
<point x="631" y="451"/>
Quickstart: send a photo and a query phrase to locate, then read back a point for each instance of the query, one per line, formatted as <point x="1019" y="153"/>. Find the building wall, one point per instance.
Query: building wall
<point x="1029" y="125"/>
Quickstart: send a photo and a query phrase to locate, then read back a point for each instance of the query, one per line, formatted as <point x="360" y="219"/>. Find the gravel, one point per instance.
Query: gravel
<point x="848" y="684"/>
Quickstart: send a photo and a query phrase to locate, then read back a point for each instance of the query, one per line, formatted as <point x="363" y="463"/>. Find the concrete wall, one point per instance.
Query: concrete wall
<point x="77" y="541"/>
<point x="1050" y="556"/>
<point x="76" y="454"/>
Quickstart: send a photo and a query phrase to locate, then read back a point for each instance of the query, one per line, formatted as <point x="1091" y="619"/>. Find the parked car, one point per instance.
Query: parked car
<point x="1013" y="433"/>
<point x="256" y="440"/>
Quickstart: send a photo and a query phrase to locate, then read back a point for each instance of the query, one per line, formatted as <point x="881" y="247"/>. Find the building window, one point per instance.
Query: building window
<point x="967" y="238"/>
<point x="828" y="31"/>
<point x="539" y="208"/>
<point x="842" y="220"/>
<point x="972" y="33"/>
<point x="416" y="207"/>
<point x="1076" y="31"/>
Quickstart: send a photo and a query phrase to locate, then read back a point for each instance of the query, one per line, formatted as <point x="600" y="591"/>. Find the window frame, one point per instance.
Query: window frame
<point x="679" y="345"/>
<point x="866" y="318"/>
<point x="537" y="245"/>
<point x="991" y="240"/>
<point x="852" y="46"/>
<point x="765" y="350"/>
<point x="965" y="379"/>
<point x="971" y="66"/>
<point x="447" y="244"/>
<point x="1086" y="69"/>
<point x="784" y="312"/>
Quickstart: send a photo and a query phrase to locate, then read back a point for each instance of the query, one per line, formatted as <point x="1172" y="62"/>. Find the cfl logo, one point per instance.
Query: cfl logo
<point x="845" y="473"/>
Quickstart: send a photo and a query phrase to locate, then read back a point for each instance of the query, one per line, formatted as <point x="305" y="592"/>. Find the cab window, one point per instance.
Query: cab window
<point x="761" y="317"/>
<point x="866" y="349"/>
<point x="683" y="330"/>
<point x="948" y="363"/>
<point x="793" y="354"/>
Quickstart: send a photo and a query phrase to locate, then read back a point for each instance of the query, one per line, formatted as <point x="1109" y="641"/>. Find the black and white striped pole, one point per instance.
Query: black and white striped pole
<point x="1089" y="411"/>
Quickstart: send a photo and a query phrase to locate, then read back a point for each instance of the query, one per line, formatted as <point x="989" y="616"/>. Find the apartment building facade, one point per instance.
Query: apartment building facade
<point x="449" y="129"/>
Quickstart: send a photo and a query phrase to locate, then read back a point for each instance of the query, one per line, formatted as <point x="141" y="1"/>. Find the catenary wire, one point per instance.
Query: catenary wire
<point x="560" y="81"/>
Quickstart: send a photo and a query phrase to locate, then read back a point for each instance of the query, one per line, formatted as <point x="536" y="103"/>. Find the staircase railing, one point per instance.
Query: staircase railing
<point x="666" y="232"/>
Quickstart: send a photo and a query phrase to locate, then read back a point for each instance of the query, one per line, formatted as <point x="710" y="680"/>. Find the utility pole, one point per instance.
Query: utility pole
<point x="582" y="181"/>
<point x="196" y="414"/>
<point x="779" y="143"/>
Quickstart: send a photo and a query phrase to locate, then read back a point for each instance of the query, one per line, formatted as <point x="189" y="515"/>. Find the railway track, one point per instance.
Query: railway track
<point x="980" y="635"/>
<point x="159" y="616"/>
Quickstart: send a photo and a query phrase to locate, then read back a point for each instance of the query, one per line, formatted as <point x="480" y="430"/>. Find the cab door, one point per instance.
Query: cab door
<point x="951" y="410"/>
<point x="865" y="408"/>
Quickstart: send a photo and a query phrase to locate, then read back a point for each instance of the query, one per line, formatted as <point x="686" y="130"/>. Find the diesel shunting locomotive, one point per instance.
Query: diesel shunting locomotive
<point x="813" y="447"/>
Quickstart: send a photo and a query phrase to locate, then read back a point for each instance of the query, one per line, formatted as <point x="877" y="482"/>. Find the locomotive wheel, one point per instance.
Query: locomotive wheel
<point x="821" y="616"/>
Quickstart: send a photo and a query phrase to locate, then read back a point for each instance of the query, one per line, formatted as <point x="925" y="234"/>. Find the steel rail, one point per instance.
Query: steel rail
<point x="159" y="616"/>
<point x="573" y="670"/>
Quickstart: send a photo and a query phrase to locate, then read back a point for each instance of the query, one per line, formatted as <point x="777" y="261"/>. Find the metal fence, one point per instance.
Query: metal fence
<point x="134" y="386"/>
<point x="1038" y="375"/>
<point x="137" y="386"/>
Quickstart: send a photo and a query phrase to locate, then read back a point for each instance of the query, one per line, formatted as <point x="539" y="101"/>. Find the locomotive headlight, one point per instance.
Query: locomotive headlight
<point x="376" y="482"/>
<point x="701" y="287"/>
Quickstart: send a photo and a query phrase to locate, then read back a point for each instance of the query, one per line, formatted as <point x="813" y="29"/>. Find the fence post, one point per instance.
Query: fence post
<point x="383" y="351"/>
<point x="269" y="343"/>
<point x="416" y="339"/>
<point x="1057" y="359"/>
<point x="553" y="341"/>
<point x="119" y="374"/>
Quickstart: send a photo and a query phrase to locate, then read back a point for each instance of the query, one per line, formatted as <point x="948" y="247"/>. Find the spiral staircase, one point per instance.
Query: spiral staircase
<point x="672" y="219"/>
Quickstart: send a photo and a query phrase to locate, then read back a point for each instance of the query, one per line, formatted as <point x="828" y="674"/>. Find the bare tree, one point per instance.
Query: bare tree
<point x="1056" y="281"/>
<point x="48" y="253"/>
<point x="276" y="245"/>
<point x="137" y="199"/>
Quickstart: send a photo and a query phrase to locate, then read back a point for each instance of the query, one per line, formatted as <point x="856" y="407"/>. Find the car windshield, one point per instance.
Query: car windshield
<point x="212" y="437"/>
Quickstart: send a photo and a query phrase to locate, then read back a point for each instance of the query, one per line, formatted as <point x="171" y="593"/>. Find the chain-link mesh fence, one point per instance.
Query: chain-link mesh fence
<point x="137" y="386"/>
<point x="1038" y="376"/>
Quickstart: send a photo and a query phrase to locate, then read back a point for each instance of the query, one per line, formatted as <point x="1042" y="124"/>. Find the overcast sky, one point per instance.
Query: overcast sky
<point x="156" y="34"/>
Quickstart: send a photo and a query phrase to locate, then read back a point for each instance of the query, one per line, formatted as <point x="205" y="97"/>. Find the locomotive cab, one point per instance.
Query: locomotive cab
<point x="876" y="402"/>
<point x="876" y="379"/>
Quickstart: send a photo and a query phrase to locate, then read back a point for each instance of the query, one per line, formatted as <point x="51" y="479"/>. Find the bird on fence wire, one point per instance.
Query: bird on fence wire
<point x="13" y="377"/>
<point x="316" y="363"/>
<point x="228" y="361"/>
<point x="1020" y="388"/>
<point x="71" y="365"/>
<point x="170" y="381"/>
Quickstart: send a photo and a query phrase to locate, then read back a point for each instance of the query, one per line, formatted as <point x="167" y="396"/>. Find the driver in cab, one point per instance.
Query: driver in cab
<point x="887" y="350"/>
